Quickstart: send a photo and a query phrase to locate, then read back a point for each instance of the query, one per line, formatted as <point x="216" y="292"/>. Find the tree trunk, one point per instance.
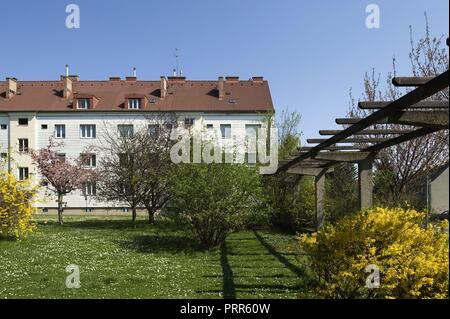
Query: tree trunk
<point x="60" y="209"/>
<point x="151" y="216"/>
<point x="134" y="214"/>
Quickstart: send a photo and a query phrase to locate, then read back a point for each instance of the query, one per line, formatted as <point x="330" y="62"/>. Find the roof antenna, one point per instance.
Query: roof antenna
<point x="134" y="72"/>
<point x="176" y="70"/>
<point x="67" y="70"/>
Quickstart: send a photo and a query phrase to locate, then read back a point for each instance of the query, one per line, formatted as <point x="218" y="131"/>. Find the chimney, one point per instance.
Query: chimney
<point x="114" y="78"/>
<point x="67" y="91"/>
<point x="258" y="79"/>
<point x="221" y="88"/>
<point x="134" y="72"/>
<point x="232" y="78"/>
<point x="11" y="87"/>
<point x="130" y="78"/>
<point x="163" y="87"/>
<point x="74" y="78"/>
<point x="67" y="70"/>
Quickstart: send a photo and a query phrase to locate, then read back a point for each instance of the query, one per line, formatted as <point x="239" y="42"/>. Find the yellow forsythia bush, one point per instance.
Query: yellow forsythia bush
<point x="16" y="206"/>
<point x="413" y="261"/>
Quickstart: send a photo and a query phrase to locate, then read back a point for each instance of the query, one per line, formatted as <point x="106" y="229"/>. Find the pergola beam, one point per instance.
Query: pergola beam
<point x="344" y="156"/>
<point x="349" y="140"/>
<point x="308" y="171"/>
<point x="400" y="139"/>
<point x="337" y="148"/>
<point x="368" y="132"/>
<point x="434" y="119"/>
<point x="420" y="93"/>
<point x="411" y="80"/>
<point x="419" y="105"/>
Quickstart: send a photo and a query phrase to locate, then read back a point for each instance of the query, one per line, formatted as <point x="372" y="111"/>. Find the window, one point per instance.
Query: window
<point x="251" y="132"/>
<point x="4" y="127"/>
<point x="125" y="131"/>
<point x="60" y="131"/>
<point x="134" y="104"/>
<point x="88" y="210"/>
<point x="23" y="145"/>
<point x="225" y="130"/>
<point x="62" y="157"/>
<point x="44" y="126"/>
<point x="89" y="189"/>
<point x="83" y="104"/>
<point x="89" y="160"/>
<point x="153" y="130"/>
<point x="45" y="210"/>
<point x="232" y="101"/>
<point x="168" y="126"/>
<point x="4" y="156"/>
<point x="87" y="131"/>
<point x="209" y="127"/>
<point x="23" y="173"/>
<point x="23" y="122"/>
<point x="189" y="121"/>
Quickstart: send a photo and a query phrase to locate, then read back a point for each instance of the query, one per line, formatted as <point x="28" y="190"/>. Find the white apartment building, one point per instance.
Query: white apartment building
<point x="77" y="113"/>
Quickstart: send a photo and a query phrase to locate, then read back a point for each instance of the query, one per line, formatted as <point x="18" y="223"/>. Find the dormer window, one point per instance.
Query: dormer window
<point x="134" y="104"/>
<point x="83" y="104"/>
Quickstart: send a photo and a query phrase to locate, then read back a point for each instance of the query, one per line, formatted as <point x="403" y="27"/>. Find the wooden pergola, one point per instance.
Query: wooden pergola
<point x="363" y="142"/>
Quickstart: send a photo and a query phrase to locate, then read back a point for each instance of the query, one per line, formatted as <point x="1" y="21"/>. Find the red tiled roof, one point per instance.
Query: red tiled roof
<point x="250" y="96"/>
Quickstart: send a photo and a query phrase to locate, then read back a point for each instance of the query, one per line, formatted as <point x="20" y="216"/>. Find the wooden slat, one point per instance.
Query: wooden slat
<point x="421" y="105"/>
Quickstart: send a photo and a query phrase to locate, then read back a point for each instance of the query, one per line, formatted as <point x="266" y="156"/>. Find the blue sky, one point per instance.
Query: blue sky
<point x="311" y="52"/>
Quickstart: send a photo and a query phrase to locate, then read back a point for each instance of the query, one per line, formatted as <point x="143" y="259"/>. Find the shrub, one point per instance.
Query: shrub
<point x="413" y="260"/>
<point x="291" y="212"/>
<point x="216" y="199"/>
<point x="16" y="206"/>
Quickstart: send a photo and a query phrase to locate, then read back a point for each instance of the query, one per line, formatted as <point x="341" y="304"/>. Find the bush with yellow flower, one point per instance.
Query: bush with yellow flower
<point x="16" y="206"/>
<point x="412" y="259"/>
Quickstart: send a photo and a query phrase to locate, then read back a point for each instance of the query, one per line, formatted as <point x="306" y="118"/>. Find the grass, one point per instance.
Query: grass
<point x="120" y="260"/>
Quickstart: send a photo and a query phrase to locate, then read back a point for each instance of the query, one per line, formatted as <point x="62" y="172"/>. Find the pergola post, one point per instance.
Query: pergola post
<point x="365" y="183"/>
<point x="297" y="189"/>
<point x="319" y="180"/>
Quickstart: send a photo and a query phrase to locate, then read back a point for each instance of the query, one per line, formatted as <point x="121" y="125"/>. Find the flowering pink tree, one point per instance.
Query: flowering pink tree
<point x="61" y="175"/>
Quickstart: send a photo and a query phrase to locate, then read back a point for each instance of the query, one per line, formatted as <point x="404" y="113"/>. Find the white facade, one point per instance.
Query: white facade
<point x="40" y="129"/>
<point x="439" y="192"/>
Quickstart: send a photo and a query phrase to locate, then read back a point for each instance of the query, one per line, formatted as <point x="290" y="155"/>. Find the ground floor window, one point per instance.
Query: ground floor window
<point x="23" y="173"/>
<point x="89" y="189"/>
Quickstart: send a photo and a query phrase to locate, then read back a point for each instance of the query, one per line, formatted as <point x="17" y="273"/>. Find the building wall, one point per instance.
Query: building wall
<point x="74" y="145"/>
<point x="17" y="132"/>
<point x="439" y="193"/>
<point x="4" y="141"/>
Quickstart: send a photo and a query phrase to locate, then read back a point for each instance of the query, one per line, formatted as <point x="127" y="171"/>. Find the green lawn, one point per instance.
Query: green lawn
<point x="120" y="260"/>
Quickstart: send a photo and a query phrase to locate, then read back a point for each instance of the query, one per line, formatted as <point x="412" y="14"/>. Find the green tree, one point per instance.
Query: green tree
<point x="217" y="199"/>
<point x="291" y="196"/>
<point x="341" y="190"/>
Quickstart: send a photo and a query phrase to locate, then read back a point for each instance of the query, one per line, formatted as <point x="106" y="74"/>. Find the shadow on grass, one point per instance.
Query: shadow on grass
<point x="228" y="278"/>
<point x="119" y="224"/>
<point x="164" y="243"/>
<point x="281" y="258"/>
